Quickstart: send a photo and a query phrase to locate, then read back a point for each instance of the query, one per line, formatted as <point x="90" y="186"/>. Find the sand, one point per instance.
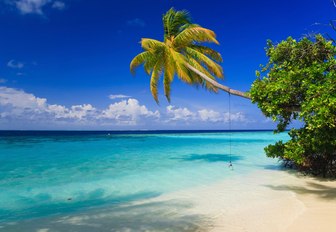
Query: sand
<point x="266" y="200"/>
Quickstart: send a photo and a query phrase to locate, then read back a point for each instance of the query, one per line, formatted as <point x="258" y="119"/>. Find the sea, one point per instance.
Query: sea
<point x="60" y="173"/>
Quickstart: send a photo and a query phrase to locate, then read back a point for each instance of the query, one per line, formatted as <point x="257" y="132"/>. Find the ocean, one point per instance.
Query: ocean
<point x="60" y="173"/>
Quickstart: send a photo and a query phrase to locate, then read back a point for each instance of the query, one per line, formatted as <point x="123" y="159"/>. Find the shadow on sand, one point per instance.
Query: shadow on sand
<point x="311" y="188"/>
<point x="137" y="216"/>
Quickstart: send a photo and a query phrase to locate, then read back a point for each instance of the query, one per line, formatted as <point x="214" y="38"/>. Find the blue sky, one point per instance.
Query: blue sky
<point x="64" y="64"/>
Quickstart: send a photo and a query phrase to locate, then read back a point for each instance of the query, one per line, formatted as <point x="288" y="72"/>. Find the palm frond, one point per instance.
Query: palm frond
<point x="180" y="50"/>
<point x="156" y="73"/>
<point x="152" y="44"/>
<point x="212" y="66"/>
<point x="174" y="21"/>
<point x="141" y="58"/>
<point x="199" y="66"/>
<point x="157" y="55"/>
<point x="194" y="34"/>
<point x="180" y="66"/>
<point x="149" y="65"/>
<point x="208" y="51"/>
<point x="200" y="80"/>
<point x="168" y="76"/>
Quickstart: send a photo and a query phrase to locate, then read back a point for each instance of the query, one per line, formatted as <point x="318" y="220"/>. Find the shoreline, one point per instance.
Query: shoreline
<point x="265" y="200"/>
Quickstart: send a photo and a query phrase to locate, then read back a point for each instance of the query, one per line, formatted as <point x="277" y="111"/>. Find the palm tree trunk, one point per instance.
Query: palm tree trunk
<point x="219" y="86"/>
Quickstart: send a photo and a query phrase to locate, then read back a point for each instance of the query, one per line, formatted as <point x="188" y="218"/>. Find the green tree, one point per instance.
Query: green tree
<point x="182" y="54"/>
<point x="299" y="82"/>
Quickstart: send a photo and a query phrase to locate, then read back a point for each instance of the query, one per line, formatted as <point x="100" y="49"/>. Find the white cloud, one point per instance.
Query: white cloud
<point x="19" y="105"/>
<point x="235" y="117"/>
<point x="35" y="6"/>
<point x="20" y="100"/>
<point x="128" y="112"/>
<point x="15" y="64"/>
<point x="177" y="113"/>
<point x="206" y="115"/>
<point x="136" y="22"/>
<point x="58" y="5"/>
<point x="78" y="112"/>
<point x="118" y="96"/>
<point x="31" y="6"/>
<point x="210" y="115"/>
<point x="203" y="115"/>
<point x="2" y="80"/>
<point x="20" y="108"/>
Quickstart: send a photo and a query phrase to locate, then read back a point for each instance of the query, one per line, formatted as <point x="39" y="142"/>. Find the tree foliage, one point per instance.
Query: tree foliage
<point x="299" y="82"/>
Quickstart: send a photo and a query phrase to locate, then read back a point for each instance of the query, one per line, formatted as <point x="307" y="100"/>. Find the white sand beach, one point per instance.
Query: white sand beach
<point x="271" y="201"/>
<point x="267" y="200"/>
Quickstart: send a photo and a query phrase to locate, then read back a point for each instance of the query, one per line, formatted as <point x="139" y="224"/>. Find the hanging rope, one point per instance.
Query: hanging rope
<point x="230" y="134"/>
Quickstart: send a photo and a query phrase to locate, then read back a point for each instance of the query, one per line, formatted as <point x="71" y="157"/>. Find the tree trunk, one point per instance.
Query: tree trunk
<point x="219" y="86"/>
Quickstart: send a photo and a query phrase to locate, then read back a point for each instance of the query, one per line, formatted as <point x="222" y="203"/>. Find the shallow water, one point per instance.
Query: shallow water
<point x="58" y="174"/>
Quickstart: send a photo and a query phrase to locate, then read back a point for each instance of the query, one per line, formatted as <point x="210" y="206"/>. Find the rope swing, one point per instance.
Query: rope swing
<point x="230" y="135"/>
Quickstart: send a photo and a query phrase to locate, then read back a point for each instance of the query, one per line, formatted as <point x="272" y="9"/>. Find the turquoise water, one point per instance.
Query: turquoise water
<point x="45" y="175"/>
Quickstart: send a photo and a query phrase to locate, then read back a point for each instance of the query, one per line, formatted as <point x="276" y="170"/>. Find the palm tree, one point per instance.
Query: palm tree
<point x="182" y="54"/>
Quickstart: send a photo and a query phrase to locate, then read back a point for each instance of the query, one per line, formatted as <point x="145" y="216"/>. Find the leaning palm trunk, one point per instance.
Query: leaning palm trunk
<point x="182" y="54"/>
<point x="219" y="86"/>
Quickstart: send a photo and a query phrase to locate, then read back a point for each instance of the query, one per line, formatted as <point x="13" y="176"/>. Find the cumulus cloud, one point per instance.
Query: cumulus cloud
<point x="128" y="112"/>
<point x="20" y="99"/>
<point x="118" y="96"/>
<point x="214" y="116"/>
<point x="17" y="104"/>
<point x="15" y="64"/>
<point x="77" y="112"/>
<point x="235" y="117"/>
<point x="210" y="115"/>
<point x="136" y="22"/>
<point x="203" y="115"/>
<point x="2" y="80"/>
<point x="179" y="114"/>
<point x="18" y="107"/>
